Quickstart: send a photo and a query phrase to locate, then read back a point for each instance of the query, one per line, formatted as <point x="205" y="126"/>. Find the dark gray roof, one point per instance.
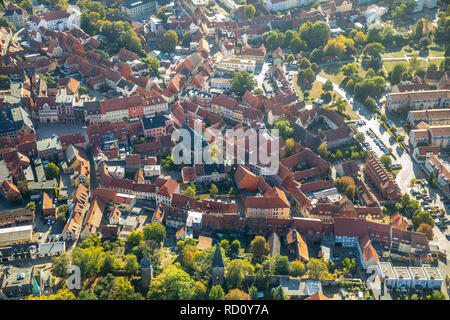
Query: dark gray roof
<point x="218" y="259"/>
<point x="154" y="122"/>
<point x="306" y="138"/>
<point x="145" y="262"/>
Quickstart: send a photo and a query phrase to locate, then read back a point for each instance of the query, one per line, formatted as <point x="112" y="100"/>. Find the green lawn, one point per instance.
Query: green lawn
<point x="316" y="91"/>
<point x="333" y="73"/>
<point x="389" y="65"/>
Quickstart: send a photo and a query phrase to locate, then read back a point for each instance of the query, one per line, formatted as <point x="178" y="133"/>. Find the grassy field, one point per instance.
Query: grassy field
<point x="389" y="65"/>
<point x="333" y="73"/>
<point x="316" y="91"/>
<point x="349" y="111"/>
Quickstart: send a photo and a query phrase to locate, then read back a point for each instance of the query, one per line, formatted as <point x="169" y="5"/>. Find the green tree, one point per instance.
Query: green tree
<point x="289" y="145"/>
<point x="89" y="260"/>
<point x="199" y="291"/>
<point x="134" y="238"/>
<point x="87" y="294"/>
<point x="242" y="81"/>
<point x="125" y="290"/>
<point x="315" y="34"/>
<point x="235" y="247"/>
<point x="285" y="129"/>
<point x="225" y="244"/>
<point x="32" y="206"/>
<point x="5" y="23"/>
<point x="399" y="72"/>
<point x="317" y="269"/>
<point x="153" y="66"/>
<point x="296" y="268"/>
<point x="253" y="292"/>
<point x="370" y="103"/>
<point x="171" y="284"/>
<point x="281" y="265"/>
<point x="359" y="136"/>
<point x="236" y="271"/>
<point x="131" y="264"/>
<point x="27" y="5"/>
<point x="5" y="82"/>
<point x="349" y="69"/>
<point x="213" y="191"/>
<point x="155" y="232"/>
<point x="437" y="295"/>
<point x="60" y="265"/>
<point x="110" y="263"/>
<point x="131" y="41"/>
<point x="106" y="287"/>
<point x="170" y="40"/>
<point x="161" y="14"/>
<point x="259" y="247"/>
<point x="186" y="39"/>
<point x="216" y="293"/>
<point x="423" y="217"/>
<point x="290" y="58"/>
<point x="278" y="293"/>
<point x="373" y="49"/>
<point x="386" y="161"/>
<point x="327" y="86"/>
<point x="348" y="266"/>
<point x="322" y="150"/>
<point x="52" y="171"/>
<point x="249" y="11"/>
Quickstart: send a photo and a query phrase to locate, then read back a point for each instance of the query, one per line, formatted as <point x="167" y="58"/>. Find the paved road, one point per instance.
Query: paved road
<point x="409" y="169"/>
<point x="408" y="58"/>
<point x="261" y="75"/>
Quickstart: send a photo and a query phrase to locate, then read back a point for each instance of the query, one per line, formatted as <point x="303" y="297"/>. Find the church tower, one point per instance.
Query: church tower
<point x="218" y="268"/>
<point x="146" y="271"/>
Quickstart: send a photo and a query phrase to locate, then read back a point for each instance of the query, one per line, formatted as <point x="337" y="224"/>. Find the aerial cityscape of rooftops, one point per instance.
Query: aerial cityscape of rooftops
<point x="224" y="150"/>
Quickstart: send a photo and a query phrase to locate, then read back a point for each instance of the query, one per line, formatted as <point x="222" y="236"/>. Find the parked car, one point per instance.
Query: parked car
<point x="448" y="237"/>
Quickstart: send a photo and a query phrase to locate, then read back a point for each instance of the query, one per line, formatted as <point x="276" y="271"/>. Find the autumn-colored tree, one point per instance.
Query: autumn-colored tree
<point x="249" y="11"/>
<point x="427" y="229"/>
<point x="237" y="294"/>
<point x="289" y="145"/>
<point x="296" y="268"/>
<point x="346" y="185"/>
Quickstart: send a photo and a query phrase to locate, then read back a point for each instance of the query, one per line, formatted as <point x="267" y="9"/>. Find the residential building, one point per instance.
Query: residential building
<point x="418" y="100"/>
<point x="237" y="64"/>
<point x="135" y="9"/>
<point x="156" y="126"/>
<point x="55" y="20"/>
<point x="382" y="179"/>
<point x="15" y="122"/>
<point x="431" y="116"/>
<point x="440" y="169"/>
<point x="273" y="204"/>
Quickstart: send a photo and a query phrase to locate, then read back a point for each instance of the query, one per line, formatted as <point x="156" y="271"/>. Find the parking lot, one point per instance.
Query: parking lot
<point x="371" y="143"/>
